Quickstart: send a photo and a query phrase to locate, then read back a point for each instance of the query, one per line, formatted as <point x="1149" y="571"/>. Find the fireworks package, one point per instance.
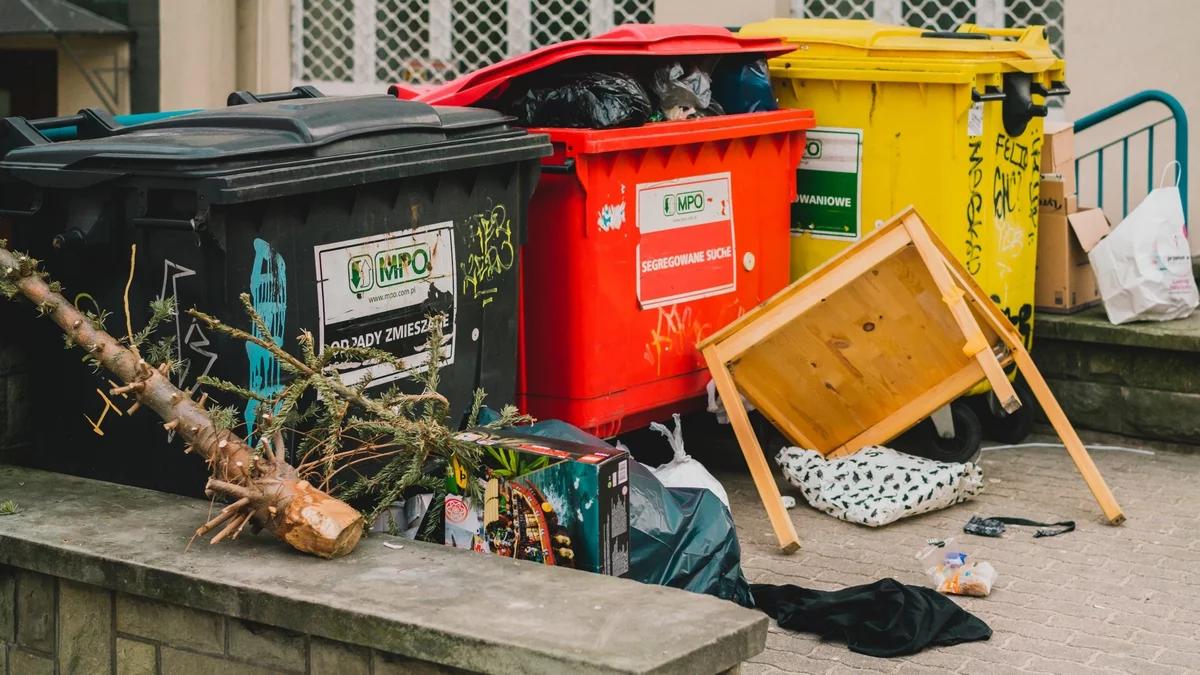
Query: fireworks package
<point x="547" y="500"/>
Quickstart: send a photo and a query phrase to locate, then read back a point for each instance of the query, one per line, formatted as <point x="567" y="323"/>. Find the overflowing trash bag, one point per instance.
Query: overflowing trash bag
<point x="600" y="100"/>
<point x="679" y="537"/>
<point x="741" y="86"/>
<point x="628" y="92"/>
<point x="684" y="471"/>
<point x="683" y="92"/>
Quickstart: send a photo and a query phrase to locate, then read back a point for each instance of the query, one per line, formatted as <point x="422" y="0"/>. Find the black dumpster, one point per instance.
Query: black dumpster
<point x="354" y="218"/>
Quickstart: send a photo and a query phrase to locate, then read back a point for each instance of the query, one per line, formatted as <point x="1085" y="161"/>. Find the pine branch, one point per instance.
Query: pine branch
<point x="334" y="383"/>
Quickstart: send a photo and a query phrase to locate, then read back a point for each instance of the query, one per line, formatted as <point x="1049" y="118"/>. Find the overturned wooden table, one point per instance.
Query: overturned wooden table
<point x="866" y="346"/>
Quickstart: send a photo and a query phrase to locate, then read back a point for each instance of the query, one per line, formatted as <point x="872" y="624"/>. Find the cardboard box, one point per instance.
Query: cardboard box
<point x="1065" y="280"/>
<point x="1054" y="199"/>
<point x="1058" y="152"/>
<point x="546" y="500"/>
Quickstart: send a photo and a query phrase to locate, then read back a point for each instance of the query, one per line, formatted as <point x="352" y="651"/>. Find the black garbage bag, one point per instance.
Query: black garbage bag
<point x="683" y="92"/>
<point x="742" y="86"/>
<point x="679" y="537"/>
<point x="585" y="101"/>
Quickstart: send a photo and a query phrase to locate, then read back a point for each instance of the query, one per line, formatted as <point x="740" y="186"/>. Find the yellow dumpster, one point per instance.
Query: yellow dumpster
<point x="950" y="122"/>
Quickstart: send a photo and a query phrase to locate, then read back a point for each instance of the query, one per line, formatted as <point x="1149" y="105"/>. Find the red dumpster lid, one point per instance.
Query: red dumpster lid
<point x="627" y="40"/>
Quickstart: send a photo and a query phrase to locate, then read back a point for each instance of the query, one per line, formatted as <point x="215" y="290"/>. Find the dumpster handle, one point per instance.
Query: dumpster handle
<point x="87" y="123"/>
<point x="567" y="166"/>
<point x="34" y="207"/>
<point x="991" y="32"/>
<point x="188" y="225"/>
<point x="990" y="93"/>
<point x="1057" y="88"/>
<point x="954" y="35"/>
<point x="243" y="97"/>
<point x="32" y="211"/>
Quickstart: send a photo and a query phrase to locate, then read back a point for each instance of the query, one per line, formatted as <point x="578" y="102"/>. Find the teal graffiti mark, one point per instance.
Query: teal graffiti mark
<point x="268" y="292"/>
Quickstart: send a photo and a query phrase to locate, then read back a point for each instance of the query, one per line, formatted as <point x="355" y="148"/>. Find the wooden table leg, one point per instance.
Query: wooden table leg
<point x="760" y="470"/>
<point x="1066" y="433"/>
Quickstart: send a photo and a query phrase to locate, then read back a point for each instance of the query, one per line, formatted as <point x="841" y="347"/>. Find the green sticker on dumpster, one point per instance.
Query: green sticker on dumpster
<point x="829" y="185"/>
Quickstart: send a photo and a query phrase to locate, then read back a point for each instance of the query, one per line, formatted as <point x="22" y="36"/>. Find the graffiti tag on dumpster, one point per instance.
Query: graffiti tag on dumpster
<point x="1016" y="187"/>
<point x="268" y="293"/>
<point x="379" y="292"/>
<point x="687" y="249"/>
<point x="973" y="260"/>
<point x="491" y="253"/>
<point x="677" y="332"/>
<point x="1022" y="320"/>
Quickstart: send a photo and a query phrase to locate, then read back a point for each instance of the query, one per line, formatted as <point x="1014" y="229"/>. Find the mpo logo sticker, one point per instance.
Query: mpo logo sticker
<point x="683" y="202"/>
<point x="812" y="148"/>
<point x="403" y="265"/>
<point x="686" y="249"/>
<point x="379" y="292"/>
<point x="361" y="277"/>
<point x="456" y="509"/>
<point x="389" y="268"/>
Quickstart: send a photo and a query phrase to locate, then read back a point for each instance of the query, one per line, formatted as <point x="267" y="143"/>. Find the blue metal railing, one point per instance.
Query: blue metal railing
<point x="1178" y="116"/>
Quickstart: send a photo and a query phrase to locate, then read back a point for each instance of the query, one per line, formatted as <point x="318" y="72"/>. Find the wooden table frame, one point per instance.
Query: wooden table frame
<point x="988" y="343"/>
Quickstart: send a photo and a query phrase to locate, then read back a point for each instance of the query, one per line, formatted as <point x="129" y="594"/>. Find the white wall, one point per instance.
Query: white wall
<point x="212" y="47"/>
<point x="197" y="57"/>
<point x="1116" y="48"/>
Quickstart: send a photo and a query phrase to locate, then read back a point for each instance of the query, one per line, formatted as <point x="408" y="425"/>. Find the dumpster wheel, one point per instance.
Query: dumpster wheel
<point x="923" y="439"/>
<point x="1002" y="427"/>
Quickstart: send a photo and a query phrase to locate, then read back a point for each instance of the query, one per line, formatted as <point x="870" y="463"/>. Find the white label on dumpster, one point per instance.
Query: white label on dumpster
<point x="686" y="251"/>
<point x="975" y="119"/>
<point x="380" y="291"/>
<point x="829" y="185"/>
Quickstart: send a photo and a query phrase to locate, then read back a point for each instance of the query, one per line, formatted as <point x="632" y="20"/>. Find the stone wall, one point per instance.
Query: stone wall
<point x="1139" y="379"/>
<point x="50" y="625"/>
<point x="1145" y="393"/>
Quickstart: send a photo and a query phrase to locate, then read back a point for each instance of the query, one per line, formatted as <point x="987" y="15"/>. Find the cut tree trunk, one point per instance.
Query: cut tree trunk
<point x="266" y="491"/>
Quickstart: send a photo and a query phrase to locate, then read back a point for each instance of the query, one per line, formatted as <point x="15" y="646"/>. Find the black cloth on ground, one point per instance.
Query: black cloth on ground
<point x="885" y="618"/>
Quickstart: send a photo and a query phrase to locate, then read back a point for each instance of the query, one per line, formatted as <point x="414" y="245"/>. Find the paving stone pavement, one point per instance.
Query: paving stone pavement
<point x="1101" y="599"/>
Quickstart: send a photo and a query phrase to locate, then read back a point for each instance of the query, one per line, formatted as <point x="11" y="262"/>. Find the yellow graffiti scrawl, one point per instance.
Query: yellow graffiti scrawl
<point x="491" y="253"/>
<point x="675" y="332"/>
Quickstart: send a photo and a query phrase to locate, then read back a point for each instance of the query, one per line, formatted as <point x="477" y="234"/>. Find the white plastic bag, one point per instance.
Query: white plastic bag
<point x="1144" y="266"/>
<point x="682" y="470"/>
<point x="717" y="407"/>
<point x="954" y="570"/>
<point x="404" y="516"/>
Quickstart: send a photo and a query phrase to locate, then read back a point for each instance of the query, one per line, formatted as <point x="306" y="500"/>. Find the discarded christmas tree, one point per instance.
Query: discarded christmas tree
<point x="265" y="491"/>
<point x="406" y="442"/>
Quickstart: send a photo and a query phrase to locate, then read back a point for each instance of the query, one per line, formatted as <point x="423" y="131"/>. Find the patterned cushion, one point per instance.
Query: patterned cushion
<point x="878" y="485"/>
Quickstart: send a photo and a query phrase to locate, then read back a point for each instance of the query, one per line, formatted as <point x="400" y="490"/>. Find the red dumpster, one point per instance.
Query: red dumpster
<point x="643" y="240"/>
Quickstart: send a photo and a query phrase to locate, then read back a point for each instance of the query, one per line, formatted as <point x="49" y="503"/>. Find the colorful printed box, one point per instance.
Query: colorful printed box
<point x="547" y="500"/>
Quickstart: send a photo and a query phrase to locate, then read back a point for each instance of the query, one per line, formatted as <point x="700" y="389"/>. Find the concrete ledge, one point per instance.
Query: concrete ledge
<point x="1092" y="325"/>
<point x="423" y="602"/>
<point x="1131" y="411"/>
<point x="1140" y="379"/>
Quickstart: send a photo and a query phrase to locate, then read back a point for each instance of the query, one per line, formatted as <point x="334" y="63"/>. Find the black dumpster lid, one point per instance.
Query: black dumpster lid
<point x="310" y="138"/>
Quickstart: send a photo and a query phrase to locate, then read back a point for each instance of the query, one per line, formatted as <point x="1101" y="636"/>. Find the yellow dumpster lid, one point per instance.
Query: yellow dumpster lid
<point x="849" y="43"/>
